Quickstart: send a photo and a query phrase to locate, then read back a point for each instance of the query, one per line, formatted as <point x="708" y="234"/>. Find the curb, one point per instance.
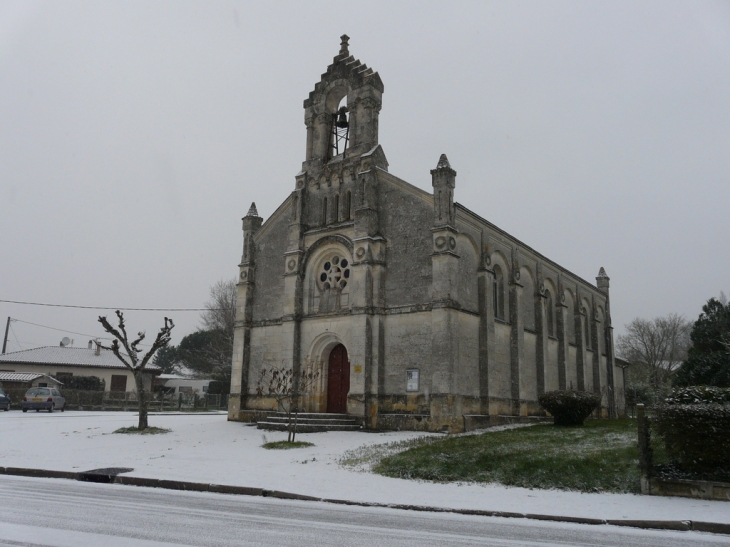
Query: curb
<point x="675" y="525"/>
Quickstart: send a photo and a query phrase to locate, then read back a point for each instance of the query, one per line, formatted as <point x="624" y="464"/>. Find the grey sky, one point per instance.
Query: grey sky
<point x="135" y="135"/>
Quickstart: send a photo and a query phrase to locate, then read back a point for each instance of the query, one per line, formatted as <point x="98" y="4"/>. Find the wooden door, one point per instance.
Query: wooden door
<point x="338" y="380"/>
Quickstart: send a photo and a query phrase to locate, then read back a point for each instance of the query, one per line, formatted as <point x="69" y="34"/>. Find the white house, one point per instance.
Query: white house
<point x="59" y="361"/>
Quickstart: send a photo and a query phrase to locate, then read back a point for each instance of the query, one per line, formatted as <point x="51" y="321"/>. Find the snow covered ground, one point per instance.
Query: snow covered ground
<point x="208" y="448"/>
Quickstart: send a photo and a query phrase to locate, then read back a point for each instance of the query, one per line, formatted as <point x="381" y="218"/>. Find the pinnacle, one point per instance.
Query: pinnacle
<point x="252" y="212"/>
<point x="443" y="162"/>
<point x="602" y="272"/>
<point x="344" y="45"/>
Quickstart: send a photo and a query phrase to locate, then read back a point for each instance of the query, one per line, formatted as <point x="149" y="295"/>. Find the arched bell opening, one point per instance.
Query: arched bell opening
<point x="340" y="130"/>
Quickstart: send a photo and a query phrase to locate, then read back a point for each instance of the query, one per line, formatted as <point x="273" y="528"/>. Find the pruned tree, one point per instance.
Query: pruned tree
<point x="655" y="348"/>
<point x="286" y="387"/>
<point x="132" y="359"/>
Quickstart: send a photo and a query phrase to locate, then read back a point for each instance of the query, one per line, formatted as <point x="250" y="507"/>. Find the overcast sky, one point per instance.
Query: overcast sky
<point x="135" y="135"/>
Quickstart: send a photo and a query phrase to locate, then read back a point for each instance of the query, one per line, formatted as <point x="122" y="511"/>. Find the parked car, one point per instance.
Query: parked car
<point x="43" y="398"/>
<point x="4" y="400"/>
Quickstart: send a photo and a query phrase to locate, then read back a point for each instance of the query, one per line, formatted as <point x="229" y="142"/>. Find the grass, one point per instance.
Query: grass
<point x="286" y="445"/>
<point x="149" y="431"/>
<point x="601" y="456"/>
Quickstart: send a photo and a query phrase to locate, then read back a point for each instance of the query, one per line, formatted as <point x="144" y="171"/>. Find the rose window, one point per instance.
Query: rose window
<point x="335" y="273"/>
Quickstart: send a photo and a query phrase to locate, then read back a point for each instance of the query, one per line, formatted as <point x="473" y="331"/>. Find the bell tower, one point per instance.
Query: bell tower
<point x="337" y="130"/>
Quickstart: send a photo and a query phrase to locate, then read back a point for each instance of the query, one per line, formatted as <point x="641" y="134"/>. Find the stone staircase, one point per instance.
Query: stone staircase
<point x="311" y="422"/>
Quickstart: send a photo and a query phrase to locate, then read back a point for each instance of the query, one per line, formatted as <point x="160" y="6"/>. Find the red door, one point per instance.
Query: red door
<point x="338" y="380"/>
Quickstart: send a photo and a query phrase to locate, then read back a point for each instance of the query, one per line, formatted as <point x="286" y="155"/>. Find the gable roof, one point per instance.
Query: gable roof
<point x="66" y="356"/>
<point x="24" y="377"/>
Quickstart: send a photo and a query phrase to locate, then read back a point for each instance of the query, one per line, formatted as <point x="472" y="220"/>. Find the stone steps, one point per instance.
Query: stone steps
<point x="311" y="422"/>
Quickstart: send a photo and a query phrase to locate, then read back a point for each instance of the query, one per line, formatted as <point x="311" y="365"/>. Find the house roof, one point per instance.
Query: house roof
<point x="23" y="377"/>
<point x="67" y="356"/>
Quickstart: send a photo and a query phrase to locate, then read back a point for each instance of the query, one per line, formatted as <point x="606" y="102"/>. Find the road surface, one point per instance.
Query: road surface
<point x="63" y="513"/>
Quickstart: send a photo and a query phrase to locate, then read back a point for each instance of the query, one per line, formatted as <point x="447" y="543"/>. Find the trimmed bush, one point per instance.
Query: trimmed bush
<point x="215" y="387"/>
<point x="81" y="383"/>
<point x="698" y="394"/>
<point x="569" y="407"/>
<point x="695" y="425"/>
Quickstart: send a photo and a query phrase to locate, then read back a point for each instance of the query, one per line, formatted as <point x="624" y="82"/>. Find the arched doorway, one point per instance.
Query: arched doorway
<point x="338" y="380"/>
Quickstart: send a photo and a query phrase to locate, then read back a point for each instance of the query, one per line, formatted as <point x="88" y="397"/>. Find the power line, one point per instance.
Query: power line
<point x="15" y="336"/>
<point x="67" y="331"/>
<point x="62" y="330"/>
<point x="109" y="308"/>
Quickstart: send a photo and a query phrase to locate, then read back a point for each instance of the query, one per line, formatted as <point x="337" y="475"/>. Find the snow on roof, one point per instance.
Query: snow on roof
<point x="23" y="377"/>
<point x="66" y="356"/>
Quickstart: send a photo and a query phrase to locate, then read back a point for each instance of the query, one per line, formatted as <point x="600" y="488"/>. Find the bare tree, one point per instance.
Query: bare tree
<point x="286" y="387"/>
<point x="655" y="348"/>
<point x="220" y="313"/>
<point x="132" y="359"/>
<point x="209" y="351"/>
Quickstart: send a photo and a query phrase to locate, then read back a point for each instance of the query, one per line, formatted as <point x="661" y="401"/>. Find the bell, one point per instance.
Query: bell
<point x="342" y="118"/>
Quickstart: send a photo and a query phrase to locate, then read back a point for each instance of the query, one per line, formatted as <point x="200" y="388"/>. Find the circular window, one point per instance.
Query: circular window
<point x="335" y="273"/>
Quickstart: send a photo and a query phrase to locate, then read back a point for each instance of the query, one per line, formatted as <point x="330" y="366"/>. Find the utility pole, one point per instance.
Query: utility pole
<point x="5" y="340"/>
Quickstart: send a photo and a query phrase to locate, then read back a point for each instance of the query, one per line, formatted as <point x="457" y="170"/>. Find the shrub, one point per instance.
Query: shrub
<point x="698" y="394"/>
<point x="569" y="407"/>
<point x="695" y="424"/>
<point x="84" y="383"/>
<point x="215" y="387"/>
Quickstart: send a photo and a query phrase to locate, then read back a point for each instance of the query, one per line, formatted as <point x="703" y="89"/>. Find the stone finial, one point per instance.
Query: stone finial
<point x="602" y="281"/>
<point x="344" y="45"/>
<point x="443" y="162"/>
<point x="252" y="212"/>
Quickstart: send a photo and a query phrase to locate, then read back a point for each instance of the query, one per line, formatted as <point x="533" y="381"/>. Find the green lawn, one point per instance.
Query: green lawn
<point x="601" y="456"/>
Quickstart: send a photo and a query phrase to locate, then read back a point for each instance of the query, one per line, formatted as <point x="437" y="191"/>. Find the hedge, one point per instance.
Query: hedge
<point x="698" y="394"/>
<point x="696" y="435"/>
<point x="569" y="407"/>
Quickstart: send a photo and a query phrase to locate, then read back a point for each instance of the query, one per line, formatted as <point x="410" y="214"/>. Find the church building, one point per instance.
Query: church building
<point x="413" y="311"/>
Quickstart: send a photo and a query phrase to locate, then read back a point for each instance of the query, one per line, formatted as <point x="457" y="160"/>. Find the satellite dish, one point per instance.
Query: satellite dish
<point x="65" y="342"/>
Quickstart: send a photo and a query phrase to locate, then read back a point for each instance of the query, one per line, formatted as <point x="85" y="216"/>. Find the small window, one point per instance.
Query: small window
<point x="412" y="379"/>
<point x="205" y="389"/>
<point x="348" y="207"/>
<point x="337" y="208"/>
<point x="324" y="211"/>
<point x="185" y="389"/>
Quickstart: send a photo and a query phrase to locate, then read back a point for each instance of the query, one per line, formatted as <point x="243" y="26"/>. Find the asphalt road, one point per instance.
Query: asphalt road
<point x="62" y="513"/>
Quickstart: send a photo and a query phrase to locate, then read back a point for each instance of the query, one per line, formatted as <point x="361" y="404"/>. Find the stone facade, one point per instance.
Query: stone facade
<point x="446" y="319"/>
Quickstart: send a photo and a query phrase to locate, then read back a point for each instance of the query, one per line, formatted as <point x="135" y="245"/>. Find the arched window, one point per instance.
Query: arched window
<point x="528" y="302"/>
<point x="324" y="211"/>
<point x="550" y="313"/>
<point x="498" y="294"/>
<point x="337" y="208"/>
<point x="348" y="206"/>
<point x="587" y="330"/>
<point x="570" y="317"/>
